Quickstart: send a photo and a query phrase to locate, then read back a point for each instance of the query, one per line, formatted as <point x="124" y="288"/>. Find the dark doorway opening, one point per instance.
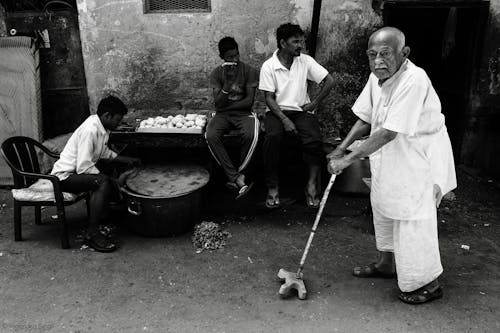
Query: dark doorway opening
<point x="446" y="41"/>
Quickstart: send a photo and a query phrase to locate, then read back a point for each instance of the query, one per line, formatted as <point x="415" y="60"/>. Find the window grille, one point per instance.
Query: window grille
<point x="176" y="6"/>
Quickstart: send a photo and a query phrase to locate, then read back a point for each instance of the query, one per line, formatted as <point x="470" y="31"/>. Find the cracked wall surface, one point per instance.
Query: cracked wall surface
<point x="162" y="61"/>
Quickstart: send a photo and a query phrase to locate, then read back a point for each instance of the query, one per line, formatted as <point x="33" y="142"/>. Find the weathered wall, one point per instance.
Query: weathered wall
<point x="481" y="148"/>
<point x="159" y="61"/>
<point x="162" y="60"/>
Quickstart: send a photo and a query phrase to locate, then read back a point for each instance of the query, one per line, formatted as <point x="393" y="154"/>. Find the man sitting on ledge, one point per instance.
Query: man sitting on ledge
<point x="283" y="78"/>
<point x="234" y="84"/>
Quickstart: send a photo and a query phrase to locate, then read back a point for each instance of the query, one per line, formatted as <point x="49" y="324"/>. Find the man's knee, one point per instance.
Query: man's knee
<point x="103" y="182"/>
<point x="213" y="136"/>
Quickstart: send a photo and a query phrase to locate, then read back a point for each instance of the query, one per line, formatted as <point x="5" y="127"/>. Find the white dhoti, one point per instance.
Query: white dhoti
<point x="415" y="246"/>
<point x="410" y="172"/>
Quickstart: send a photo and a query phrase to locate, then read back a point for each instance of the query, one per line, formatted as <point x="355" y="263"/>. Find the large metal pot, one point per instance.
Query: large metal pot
<point x="164" y="200"/>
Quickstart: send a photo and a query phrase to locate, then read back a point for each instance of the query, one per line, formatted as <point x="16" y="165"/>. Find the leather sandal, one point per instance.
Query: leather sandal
<point x="421" y="295"/>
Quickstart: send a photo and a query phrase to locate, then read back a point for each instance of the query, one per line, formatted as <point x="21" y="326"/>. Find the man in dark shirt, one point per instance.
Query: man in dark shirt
<point x="234" y="84"/>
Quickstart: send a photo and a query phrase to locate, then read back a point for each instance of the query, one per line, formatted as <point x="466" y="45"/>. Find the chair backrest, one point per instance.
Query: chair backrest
<point x="20" y="154"/>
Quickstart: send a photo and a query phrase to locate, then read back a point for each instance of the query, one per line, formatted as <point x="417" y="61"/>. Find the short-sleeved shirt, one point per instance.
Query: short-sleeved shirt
<point x="420" y="156"/>
<point x="247" y="77"/>
<point x="290" y="85"/>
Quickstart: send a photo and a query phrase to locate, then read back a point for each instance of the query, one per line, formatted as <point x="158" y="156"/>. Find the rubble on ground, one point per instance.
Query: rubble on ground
<point x="209" y="236"/>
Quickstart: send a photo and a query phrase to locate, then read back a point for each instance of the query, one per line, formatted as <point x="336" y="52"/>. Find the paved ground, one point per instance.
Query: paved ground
<point x="163" y="285"/>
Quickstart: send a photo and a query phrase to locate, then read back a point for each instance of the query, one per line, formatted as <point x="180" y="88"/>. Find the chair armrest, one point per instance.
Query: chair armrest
<point x="47" y="151"/>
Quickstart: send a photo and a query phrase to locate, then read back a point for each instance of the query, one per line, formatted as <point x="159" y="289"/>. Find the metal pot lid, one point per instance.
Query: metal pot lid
<point x="167" y="181"/>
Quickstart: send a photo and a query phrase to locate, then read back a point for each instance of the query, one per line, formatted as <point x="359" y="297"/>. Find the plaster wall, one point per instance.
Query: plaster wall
<point x="160" y="61"/>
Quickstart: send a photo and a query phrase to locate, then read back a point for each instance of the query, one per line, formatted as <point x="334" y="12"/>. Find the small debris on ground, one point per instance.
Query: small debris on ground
<point x="209" y="236"/>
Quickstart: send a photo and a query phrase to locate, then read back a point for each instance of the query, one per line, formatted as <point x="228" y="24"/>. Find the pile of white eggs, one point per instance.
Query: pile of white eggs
<point x="191" y="120"/>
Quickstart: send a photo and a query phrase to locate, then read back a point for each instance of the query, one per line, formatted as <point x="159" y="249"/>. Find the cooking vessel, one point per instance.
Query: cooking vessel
<point x="159" y="210"/>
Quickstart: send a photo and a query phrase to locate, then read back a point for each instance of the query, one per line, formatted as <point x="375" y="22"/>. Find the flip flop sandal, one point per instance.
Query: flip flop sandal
<point x="310" y="202"/>
<point x="244" y="191"/>
<point x="272" y="202"/>
<point x="421" y="296"/>
<point x="100" y="243"/>
<point x="371" y="271"/>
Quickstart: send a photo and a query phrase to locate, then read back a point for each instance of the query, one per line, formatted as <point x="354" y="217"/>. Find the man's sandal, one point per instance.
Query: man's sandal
<point x="420" y="296"/>
<point x="99" y="243"/>
<point x="371" y="271"/>
<point x="244" y="190"/>
<point x="311" y="201"/>
<point x="272" y="201"/>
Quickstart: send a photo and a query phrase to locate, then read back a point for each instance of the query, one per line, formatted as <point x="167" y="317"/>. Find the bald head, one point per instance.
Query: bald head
<point x="386" y="52"/>
<point x="389" y="35"/>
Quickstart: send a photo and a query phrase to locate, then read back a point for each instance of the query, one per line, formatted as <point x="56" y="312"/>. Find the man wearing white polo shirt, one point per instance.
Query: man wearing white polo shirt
<point x="283" y="78"/>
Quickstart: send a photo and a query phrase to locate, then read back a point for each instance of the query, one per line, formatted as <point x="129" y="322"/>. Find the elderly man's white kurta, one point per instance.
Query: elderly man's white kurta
<point x="407" y="171"/>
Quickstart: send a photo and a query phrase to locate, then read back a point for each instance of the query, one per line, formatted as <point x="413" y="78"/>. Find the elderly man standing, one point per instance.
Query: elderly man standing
<point x="411" y="163"/>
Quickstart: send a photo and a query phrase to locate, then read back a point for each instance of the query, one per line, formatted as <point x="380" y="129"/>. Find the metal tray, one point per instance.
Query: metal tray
<point x="170" y="130"/>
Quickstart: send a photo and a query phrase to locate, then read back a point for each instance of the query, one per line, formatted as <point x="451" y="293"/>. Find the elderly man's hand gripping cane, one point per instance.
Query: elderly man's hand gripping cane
<point x="337" y="165"/>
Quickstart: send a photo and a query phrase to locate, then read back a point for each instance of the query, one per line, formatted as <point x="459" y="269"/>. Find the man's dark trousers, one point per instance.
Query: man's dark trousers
<point x="247" y="126"/>
<point x="308" y="134"/>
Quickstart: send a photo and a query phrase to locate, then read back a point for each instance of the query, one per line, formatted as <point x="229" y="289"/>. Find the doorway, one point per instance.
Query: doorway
<point x="446" y="41"/>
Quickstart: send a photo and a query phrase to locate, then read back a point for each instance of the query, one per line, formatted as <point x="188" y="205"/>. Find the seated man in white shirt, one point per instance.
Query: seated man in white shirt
<point x="76" y="167"/>
<point x="283" y="78"/>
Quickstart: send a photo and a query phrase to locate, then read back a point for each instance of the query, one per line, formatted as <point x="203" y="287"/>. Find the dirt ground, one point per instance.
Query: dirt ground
<point x="163" y="285"/>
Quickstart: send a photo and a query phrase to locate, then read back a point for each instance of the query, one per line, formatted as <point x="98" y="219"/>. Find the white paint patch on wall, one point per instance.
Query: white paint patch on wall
<point x="269" y="47"/>
<point x="351" y="6"/>
<point x="304" y="12"/>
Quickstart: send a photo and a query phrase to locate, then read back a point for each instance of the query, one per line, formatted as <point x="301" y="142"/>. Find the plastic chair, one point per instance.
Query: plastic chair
<point x="20" y="154"/>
